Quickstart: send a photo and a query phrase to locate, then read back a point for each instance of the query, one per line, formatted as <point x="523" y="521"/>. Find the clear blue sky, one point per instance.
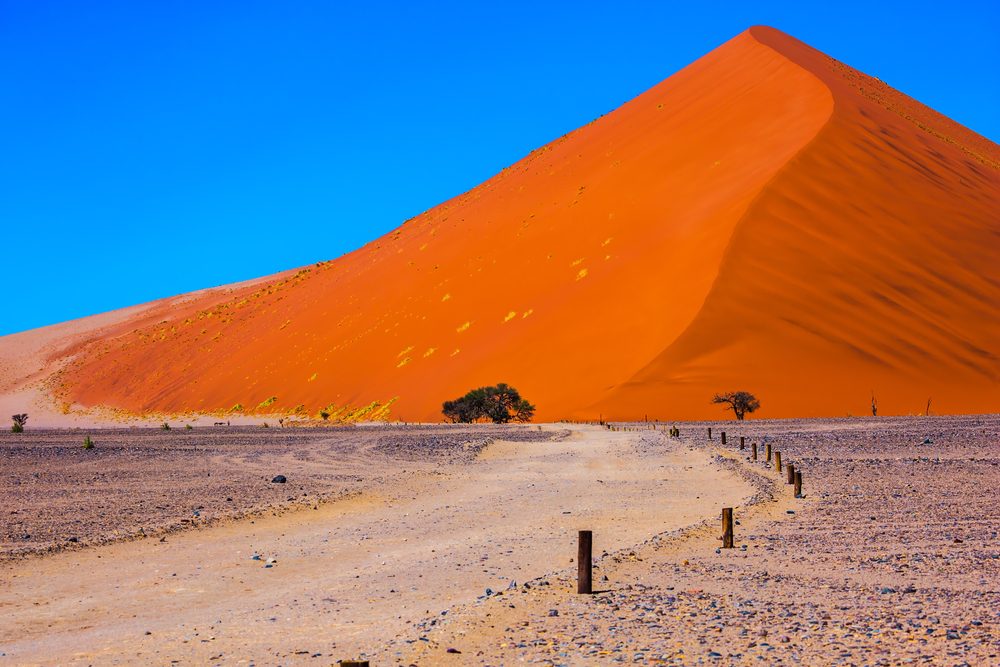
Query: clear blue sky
<point x="153" y="148"/>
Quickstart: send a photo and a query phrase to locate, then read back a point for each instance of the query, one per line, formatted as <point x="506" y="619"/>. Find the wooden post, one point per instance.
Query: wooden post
<point x="727" y="527"/>
<point x="767" y="452"/>
<point x="709" y="432"/>
<point x="723" y="438"/>
<point x="777" y="461"/>
<point x="790" y="479"/>
<point x="353" y="663"/>
<point x="798" y="483"/>
<point x="743" y="444"/>
<point x="584" y="569"/>
<point x="754" y="450"/>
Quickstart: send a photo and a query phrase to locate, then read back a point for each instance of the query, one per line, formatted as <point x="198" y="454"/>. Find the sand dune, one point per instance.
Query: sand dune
<point x="767" y="218"/>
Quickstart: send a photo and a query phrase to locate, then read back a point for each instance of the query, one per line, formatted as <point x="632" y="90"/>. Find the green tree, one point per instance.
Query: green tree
<point x="19" y="422"/>
<point x="500" y="404"/>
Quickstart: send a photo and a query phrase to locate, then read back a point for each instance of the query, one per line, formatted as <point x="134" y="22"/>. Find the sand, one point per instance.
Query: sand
<point x="140" y="482"/>
<point x="891" y="557"/>
<point x="766" y="219"/>
<point x="356" y="576"/>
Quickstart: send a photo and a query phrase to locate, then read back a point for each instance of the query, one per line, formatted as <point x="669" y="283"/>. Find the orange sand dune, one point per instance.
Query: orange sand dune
<point x="767" y="218"/>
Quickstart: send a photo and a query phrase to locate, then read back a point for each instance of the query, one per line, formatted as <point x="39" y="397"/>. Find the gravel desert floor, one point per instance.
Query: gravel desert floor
<point x="891" y="557"/>
<point x="138" y="482"/>
<point x="442" y="545"/>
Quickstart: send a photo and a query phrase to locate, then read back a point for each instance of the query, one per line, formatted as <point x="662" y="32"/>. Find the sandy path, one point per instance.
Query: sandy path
<point x="354" y="577"/>
<point x="890" y="558"/>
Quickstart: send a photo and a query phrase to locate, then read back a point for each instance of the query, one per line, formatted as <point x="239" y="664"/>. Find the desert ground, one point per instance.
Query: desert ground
<point x="455" y="545"/>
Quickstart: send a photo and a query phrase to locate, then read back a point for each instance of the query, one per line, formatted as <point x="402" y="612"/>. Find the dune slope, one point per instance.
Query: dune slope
<point x="767" y="218"/>
<point x="870" y="262"/>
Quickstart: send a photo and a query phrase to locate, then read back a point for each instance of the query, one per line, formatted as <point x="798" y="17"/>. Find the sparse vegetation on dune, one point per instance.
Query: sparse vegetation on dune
<point x="346" y="414"/>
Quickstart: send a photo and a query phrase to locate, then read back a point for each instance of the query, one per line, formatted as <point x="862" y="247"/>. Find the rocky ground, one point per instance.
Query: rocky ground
<point x="891" y="557"/>
<point x="144" y="482"/>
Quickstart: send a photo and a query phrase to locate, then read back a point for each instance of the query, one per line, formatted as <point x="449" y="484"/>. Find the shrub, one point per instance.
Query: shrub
<point x="88" y="443"/>
<point x="267" y="402"/>
<point x="324" y="415"/>
<point x="740" y="402"/>
<point x="165" y="426"/>
<point x="499" y="404"/>
<point x="188" y="427"/>
<point x="237" y="408"/>
<point x="19" y="422"/>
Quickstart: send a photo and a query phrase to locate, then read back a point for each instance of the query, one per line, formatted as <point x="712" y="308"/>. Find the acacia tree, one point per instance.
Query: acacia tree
<point x="499" y="404"/>
<point x="740" y="402"/>
<point x="19" y="422"/>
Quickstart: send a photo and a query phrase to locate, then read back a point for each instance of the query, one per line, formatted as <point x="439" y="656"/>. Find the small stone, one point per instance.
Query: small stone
<point x="452" y="650"/>
<point x="553" y="612"/>
<point x="278" y="479"/>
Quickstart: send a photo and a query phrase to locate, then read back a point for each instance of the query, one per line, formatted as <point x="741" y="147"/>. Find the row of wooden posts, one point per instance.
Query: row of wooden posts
<point x="585" y="539"/>
<point x="792" y="476"/>
<point x="584" y="574"/>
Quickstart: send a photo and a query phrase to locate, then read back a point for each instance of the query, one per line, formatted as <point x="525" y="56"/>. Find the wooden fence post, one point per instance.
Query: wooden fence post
<point x="584" y="570"/>
<point x="798" y="483"/>
<point x="777" y="461"/>
<point x="723" y="438"/>
<point x="352" y="663"/>
<point x="754" y="450"/>
<point x="743" y="444"/>
<point x="767" y="452"/>
<point x="790" y="479"/>
<point x="727" y="527"/>
<point x="709" y="432"/>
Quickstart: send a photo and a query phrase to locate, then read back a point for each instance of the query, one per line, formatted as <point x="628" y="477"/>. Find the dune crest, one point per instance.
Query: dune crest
<point x="765" y="219"/>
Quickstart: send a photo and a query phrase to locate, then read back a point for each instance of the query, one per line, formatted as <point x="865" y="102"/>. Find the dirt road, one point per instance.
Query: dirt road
<point x="355" y="577"/>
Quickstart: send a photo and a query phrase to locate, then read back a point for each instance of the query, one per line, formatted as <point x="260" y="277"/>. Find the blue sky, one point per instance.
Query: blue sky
<point x="150" y="149"/>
